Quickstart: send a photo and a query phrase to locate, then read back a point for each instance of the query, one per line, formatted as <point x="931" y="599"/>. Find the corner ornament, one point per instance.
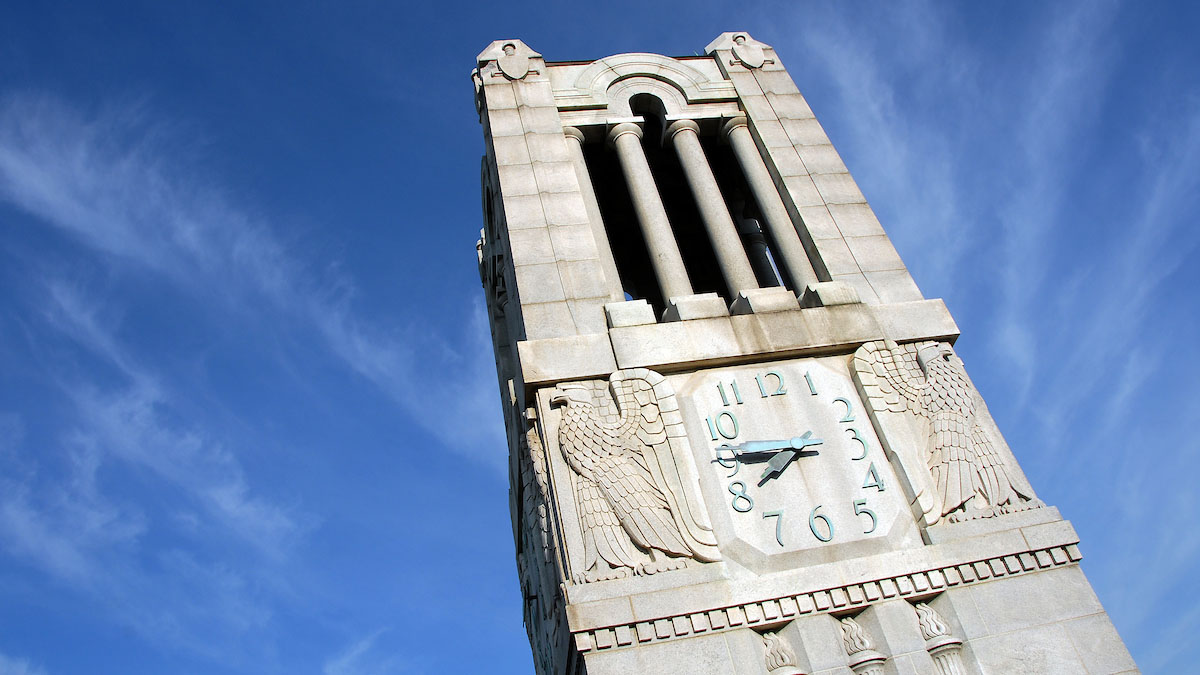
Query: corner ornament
<point x="746" y="50"/>
<point x="513" y="58"/>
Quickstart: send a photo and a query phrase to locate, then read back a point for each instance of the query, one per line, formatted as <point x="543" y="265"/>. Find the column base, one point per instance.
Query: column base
<point x="629" y="313"/>
<point x="701" y="306"/>
<point x="829" y="293"/>
<point x="763" y="300"/>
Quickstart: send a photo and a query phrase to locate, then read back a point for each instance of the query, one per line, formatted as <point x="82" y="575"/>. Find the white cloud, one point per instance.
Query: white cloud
<point x="15" y="666"/>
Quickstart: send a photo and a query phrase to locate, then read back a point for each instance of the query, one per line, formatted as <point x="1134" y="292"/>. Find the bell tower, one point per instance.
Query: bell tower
<point x="740" y="438"/>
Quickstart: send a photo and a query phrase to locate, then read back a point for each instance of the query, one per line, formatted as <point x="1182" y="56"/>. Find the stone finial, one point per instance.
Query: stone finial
<point x="746" y="50"/>
<point x="864" y="660"/>
<point x="779" y="657"/>
<point x="934" y="629"/>
<point x="512" y="58"/>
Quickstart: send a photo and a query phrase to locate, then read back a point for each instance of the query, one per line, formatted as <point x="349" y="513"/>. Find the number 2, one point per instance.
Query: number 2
<point x="849" y="416"/>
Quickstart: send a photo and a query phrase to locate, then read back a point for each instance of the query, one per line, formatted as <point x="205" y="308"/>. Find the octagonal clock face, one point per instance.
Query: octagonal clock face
<point x="789" y="462"/>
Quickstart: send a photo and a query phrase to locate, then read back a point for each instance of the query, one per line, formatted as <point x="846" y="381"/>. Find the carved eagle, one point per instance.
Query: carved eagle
<point x="628" y="488"/>
<point x="928" y="380"/>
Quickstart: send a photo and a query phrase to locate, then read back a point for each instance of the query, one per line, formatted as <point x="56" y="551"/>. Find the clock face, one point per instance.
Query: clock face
<point x="788" y="460"/>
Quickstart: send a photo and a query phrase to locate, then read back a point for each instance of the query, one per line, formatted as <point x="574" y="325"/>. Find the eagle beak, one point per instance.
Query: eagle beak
<point x="559" y="397"/>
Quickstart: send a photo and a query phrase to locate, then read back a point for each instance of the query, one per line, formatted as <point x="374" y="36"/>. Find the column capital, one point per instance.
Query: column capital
<point x="622" y="129"/>
<point x="572" y="132"/>
<point x="678" y="126"/>
<point x="733" y="123"/>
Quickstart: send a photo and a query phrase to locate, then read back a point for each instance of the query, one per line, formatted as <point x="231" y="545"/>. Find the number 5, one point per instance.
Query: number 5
<point x="860" y="509"/>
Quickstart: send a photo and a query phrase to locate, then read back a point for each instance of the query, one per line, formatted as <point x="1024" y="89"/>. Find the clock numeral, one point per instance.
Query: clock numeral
<point x="873" y="480"/>
<point x="762" y="385"/>
<point x="778" y="516"/>
<point x="737" y="395"/>
<point x="747" y="503"/>
<point x="808" y="378"/>
<point x="813" y="517"/>
<point x="860" y="509"/>
<point x="730" y="462"/>
<point x="849" y="416"/>
<point x="854" y="436"/>
<point x="718" y="427"/>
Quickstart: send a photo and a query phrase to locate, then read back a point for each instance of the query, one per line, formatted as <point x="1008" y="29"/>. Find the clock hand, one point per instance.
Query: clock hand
<point x="758" y="451"/>
<point x="783" y="458"/>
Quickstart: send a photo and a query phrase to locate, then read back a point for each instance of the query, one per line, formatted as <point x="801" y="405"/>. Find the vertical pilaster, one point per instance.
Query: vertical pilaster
<point x="838" y="228"/>
<point x="559" y="272"/>
<point x="599" y="234"/>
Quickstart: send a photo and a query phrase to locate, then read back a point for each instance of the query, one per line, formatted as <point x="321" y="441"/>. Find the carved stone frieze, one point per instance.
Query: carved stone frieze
<point x="848" y="598"/>
<point x="639" y="512"/>
<point x="955" y="461"/>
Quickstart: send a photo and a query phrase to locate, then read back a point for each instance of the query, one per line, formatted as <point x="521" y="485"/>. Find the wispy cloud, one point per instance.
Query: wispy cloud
<point x="360" y="658"/>
<point x="14" y="666"/>
<point x="118" y="182"/>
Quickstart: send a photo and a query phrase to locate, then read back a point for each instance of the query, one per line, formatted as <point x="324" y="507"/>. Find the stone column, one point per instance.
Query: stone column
<point x="607" y="261"/>
<point x="731" y="257"/>
<point x="756" y="250"/>
<point x="783" y="232"/>
<point x="652" y="216"/>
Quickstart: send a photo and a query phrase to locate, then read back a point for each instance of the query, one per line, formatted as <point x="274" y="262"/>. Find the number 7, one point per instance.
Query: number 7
<point x="778" y="515"/>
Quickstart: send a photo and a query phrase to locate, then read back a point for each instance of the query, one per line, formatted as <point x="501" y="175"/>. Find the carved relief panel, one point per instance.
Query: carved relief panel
<point x="955" y="464"/>
<point x="624" y="478"/>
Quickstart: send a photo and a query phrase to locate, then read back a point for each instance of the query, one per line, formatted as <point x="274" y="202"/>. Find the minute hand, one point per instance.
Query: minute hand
<point x="757" y="451"/>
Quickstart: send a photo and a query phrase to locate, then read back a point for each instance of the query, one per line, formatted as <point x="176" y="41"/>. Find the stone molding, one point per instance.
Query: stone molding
<point x="592" y="84"/>
<point x="766" y="613"/>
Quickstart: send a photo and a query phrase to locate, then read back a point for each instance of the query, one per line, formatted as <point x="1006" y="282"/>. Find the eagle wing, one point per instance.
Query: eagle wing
<point x="890" y="376"/>
<point x="653" y="425"/>
<point x="952" y="460"/>
<point x="602" y="535"/>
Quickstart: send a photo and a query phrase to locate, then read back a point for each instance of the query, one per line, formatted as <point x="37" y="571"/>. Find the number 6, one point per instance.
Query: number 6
<point x="812" y="524"/>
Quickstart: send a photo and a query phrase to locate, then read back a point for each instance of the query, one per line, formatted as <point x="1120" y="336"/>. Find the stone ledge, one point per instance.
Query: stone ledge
<point x="678" y="345"/>
<point x="841" y="598"/>
<point x="553" y="360"/>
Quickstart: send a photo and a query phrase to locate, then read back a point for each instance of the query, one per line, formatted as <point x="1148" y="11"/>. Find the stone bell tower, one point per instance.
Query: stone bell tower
<point x="740" y="439"/>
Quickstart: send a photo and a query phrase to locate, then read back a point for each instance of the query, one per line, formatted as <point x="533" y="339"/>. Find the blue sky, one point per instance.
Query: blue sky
<point x="249" y="421"/>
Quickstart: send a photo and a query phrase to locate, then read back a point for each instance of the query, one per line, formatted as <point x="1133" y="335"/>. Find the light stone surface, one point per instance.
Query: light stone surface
<point x="763" y="300"/>
<point x="634" y="549"/>
<point x="688" y="307"/>
<point x="629" y="313"/>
